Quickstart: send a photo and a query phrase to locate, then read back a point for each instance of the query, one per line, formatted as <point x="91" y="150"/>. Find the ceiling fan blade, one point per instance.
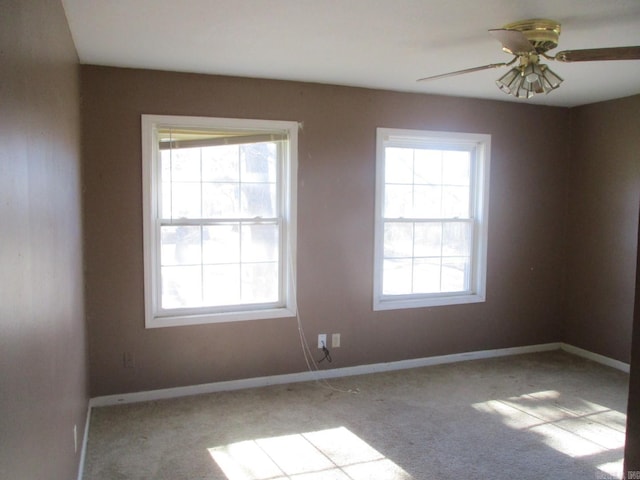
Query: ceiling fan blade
<point x="461" y="72"/>
<point x="513" y="41"/>
<point x="596" y="54"/>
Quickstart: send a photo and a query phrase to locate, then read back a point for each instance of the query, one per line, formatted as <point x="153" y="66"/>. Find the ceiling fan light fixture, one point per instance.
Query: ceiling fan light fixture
<point x="529" y="79"/>
<point x="532" y="80"/>
<point x="525" y="89"/>
<point x="508" y="83"/>
<point x="551" y="79"/>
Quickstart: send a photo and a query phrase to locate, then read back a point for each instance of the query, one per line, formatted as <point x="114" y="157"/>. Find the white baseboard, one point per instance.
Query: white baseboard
<point x="166" y="393"/>
<point x="596" y="357"/>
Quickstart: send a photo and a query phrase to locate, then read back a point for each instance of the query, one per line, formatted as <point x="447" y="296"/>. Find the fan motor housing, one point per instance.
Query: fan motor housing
<point x="541" y="32"/>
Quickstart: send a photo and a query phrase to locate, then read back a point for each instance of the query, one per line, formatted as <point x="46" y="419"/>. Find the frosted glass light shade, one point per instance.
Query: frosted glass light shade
<point x="525" y="81"/>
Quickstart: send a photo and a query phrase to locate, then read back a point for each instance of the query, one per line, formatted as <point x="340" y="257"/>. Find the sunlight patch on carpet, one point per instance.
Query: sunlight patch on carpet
<point x="570" y="425"/>
<point x="332" y="454"/>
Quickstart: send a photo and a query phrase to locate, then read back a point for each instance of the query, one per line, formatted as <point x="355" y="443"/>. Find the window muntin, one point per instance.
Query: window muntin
<point x="431" y="191"/>
<point x="220" y="228"/>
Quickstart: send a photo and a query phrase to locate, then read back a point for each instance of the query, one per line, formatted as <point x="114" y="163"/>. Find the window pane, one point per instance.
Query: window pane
<point x="426" y="276"/>
<point x="260" y="282"/>
<point x="258" y="162"/>
<point x="456" y="168"/>
<point x="396" y="277"/>
<point x="455" y="202"/>
<point x="456" y="239"/>
<point x="221" y="164"/>
<point x="428" y="239"/>
<point x="221" y="284"/>
<point x="221" y="243"/>
<point x="455" y="274"/>
<point x="185" y="164"/>
<point x="220" y="200"/>
<point x="428" y="167"/>
<point x="398" y="165"/>
<point x="180" y="245"/>
<point x="398" y="200"/>
<point x="258" y="200"/>
<point x="185" y="200"/>
<point x="181" y="286"/>
<point x="260" y="243"/>
<point x="398" y="239"/>
<point x="427" y="201"/>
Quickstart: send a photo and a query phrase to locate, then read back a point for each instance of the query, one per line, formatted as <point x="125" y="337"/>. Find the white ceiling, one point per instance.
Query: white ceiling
<point x="385" y="44"/>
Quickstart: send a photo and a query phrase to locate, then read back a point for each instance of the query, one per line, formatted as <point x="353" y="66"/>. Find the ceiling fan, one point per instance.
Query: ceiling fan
<point x="530" y="40"/>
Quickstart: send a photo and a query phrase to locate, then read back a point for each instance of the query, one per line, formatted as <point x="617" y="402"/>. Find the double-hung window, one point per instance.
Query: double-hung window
<point x="431" y="218"/>
<point x="219" y="219"/>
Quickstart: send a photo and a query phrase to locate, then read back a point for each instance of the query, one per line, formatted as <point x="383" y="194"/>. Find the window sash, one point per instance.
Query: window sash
<point x="442" y="256"/>
<point x="423" y="144"/>
<point x="281" y="142"/>
<point x="202" y="264"/>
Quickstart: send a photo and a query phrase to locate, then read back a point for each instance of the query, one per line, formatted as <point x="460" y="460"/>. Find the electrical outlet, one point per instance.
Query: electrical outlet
<point x="335" y="340"/>
<point x="322" y="340"/>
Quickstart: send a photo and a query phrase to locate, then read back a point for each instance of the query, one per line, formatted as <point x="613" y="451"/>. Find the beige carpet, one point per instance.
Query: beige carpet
<point x="548" y="415"/>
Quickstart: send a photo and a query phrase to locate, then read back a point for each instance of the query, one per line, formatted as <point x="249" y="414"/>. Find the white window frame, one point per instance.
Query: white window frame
<point x="287" y="189"/>
<point x="481" y="145"/>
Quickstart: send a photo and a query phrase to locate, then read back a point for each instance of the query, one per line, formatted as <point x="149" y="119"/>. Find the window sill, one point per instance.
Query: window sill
<point x="226" y="317"/>
<point x="391" y="303"/>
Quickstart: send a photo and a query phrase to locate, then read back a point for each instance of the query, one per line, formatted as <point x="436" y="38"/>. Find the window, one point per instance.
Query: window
<point x="431" y="218"/>
<point x="219" y="219"/>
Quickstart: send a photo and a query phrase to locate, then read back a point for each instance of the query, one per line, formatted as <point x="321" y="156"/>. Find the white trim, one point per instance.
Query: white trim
<point x="478" y="143"/>
<point x="226" y="317"/>
<point x="83" y="450"/>
<point x="166" y="393"/>
<point x="287" y="190"/>
<point x="596" y="357"/>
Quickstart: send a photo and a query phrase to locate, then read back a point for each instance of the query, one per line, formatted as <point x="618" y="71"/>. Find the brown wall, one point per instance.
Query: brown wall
<point x="632" y="446"/>
<point x="43" y="361"/>
<point x="335" y="222"/>
<point x="604" y="188"/>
